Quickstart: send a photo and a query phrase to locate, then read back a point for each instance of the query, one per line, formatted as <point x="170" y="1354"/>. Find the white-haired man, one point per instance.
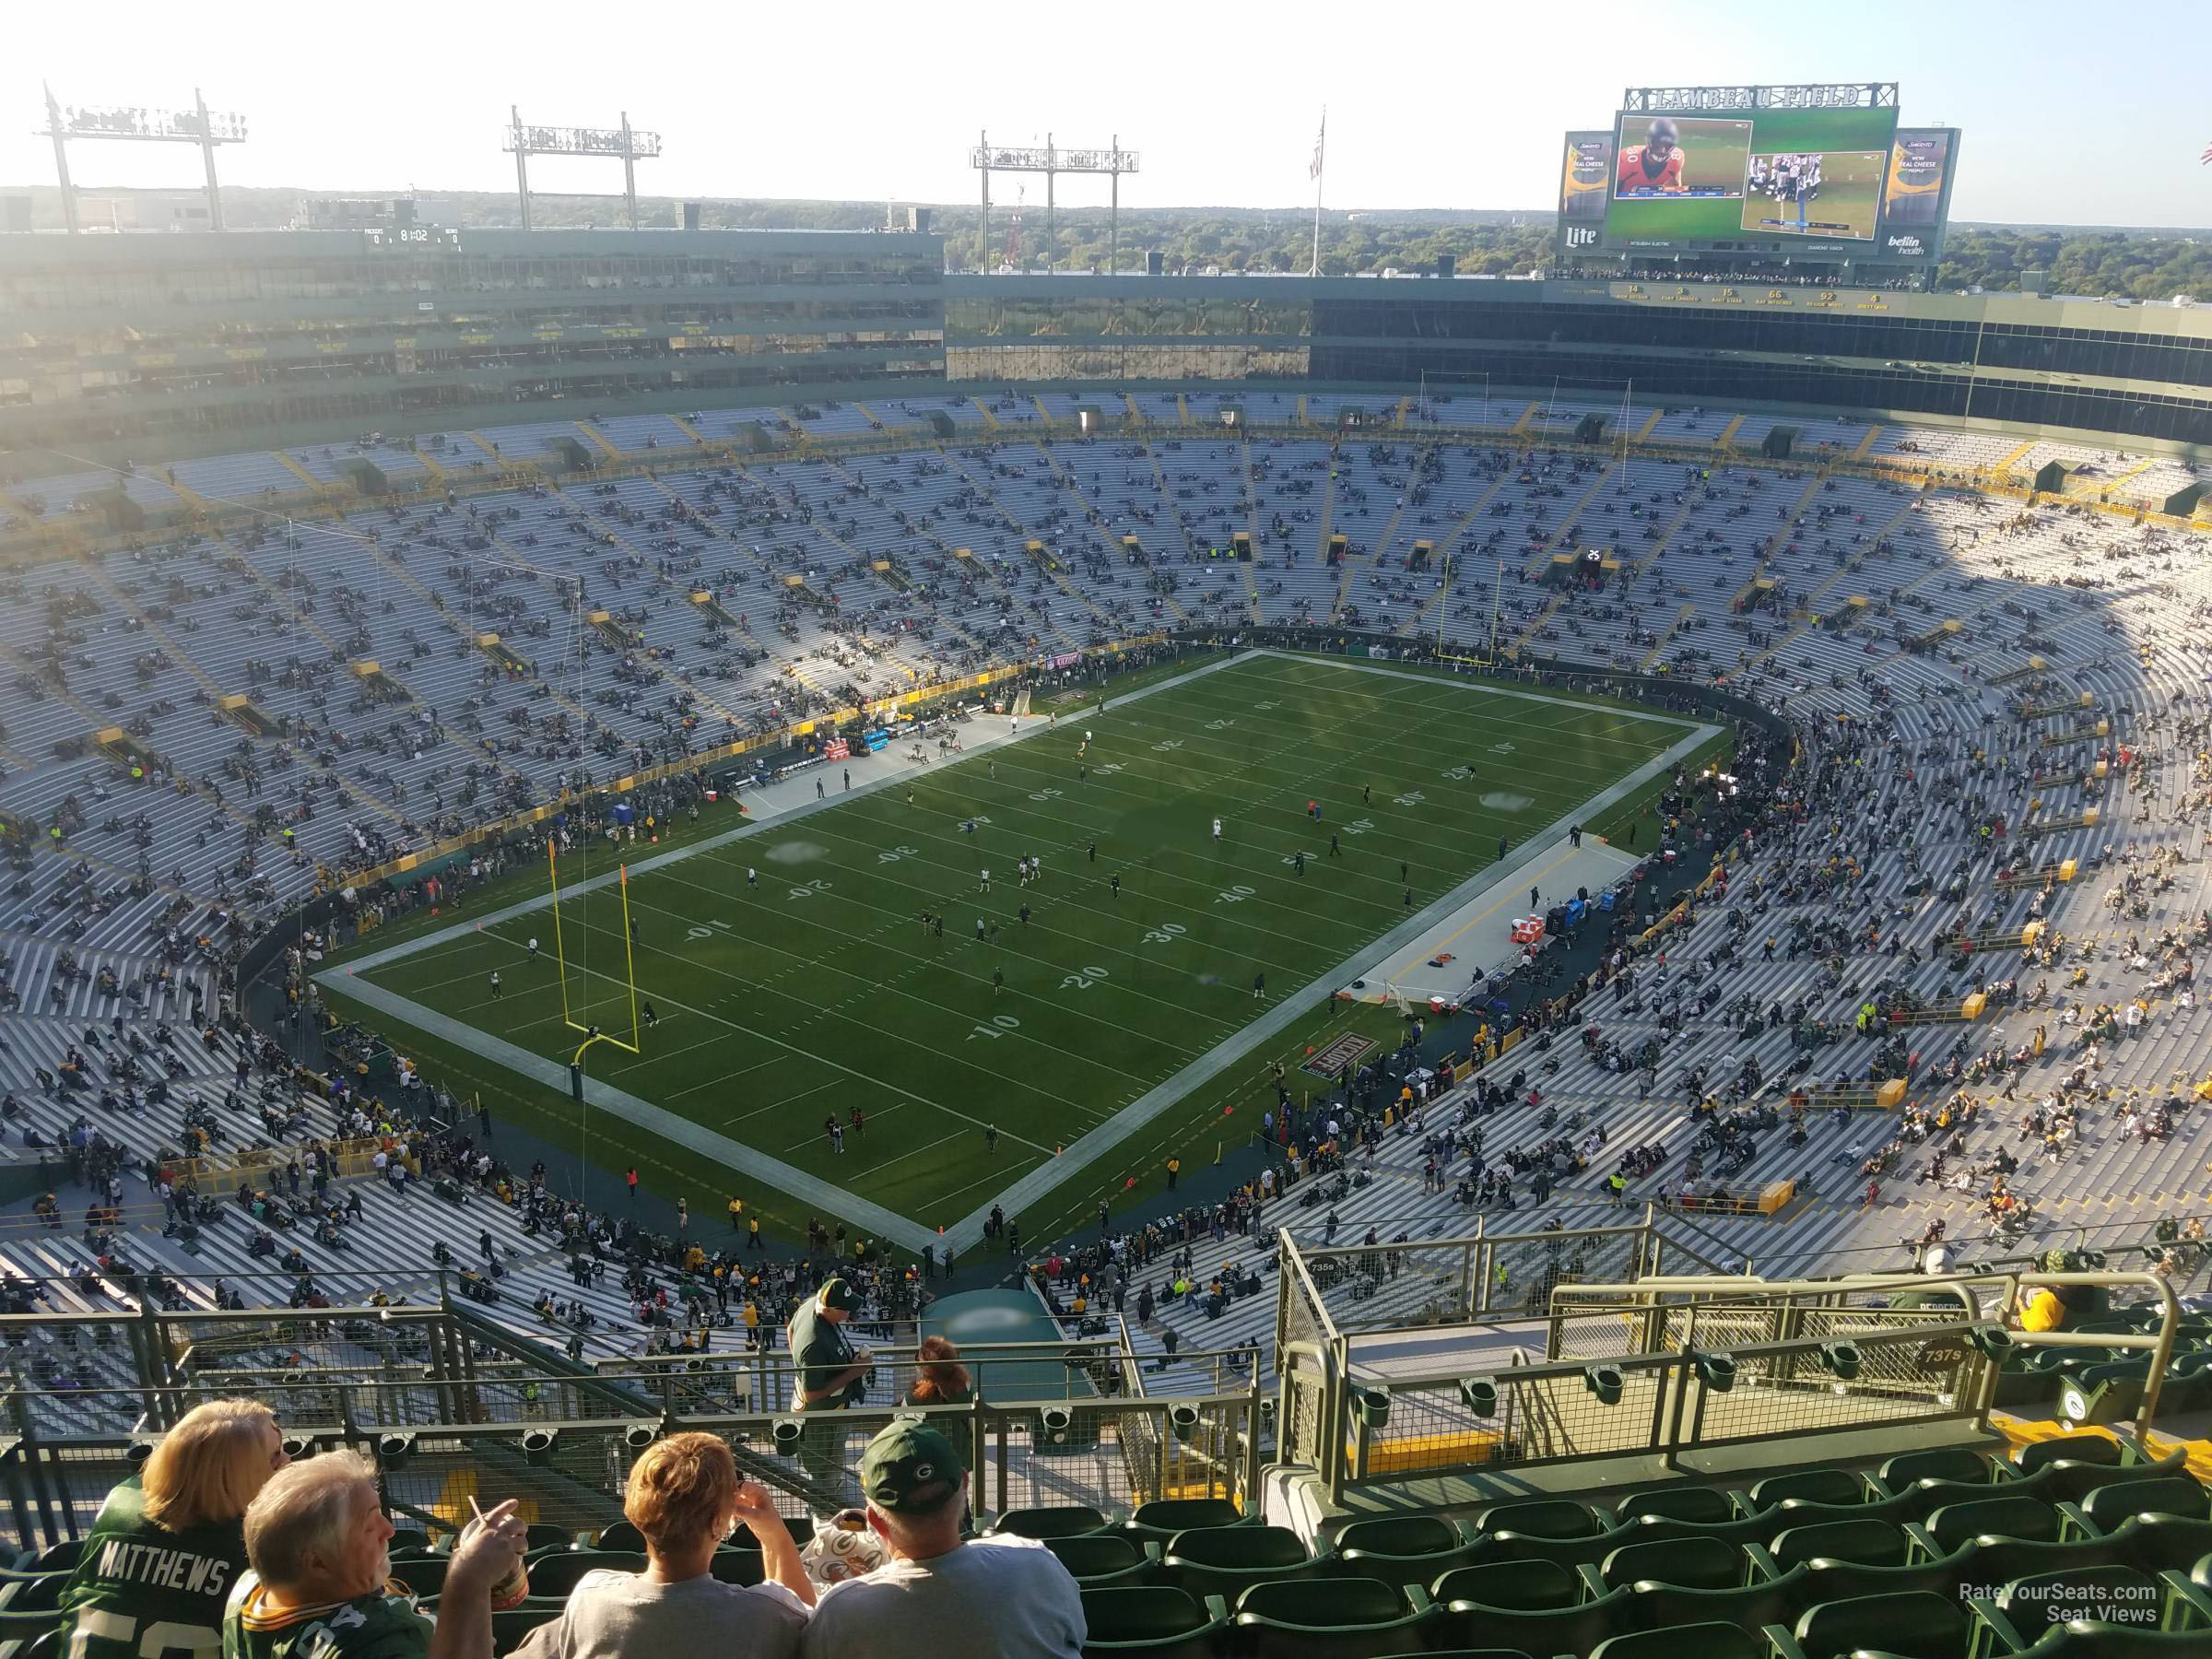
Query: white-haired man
<point x="321" y="1584"/>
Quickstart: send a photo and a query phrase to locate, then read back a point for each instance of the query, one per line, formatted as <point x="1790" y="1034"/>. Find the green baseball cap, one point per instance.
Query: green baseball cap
<point x="905" y="1467"/>
<point x="838" y="1293"/>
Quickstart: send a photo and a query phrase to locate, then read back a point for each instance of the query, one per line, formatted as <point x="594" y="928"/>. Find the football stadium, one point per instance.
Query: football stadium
<point x="754" y="929"/>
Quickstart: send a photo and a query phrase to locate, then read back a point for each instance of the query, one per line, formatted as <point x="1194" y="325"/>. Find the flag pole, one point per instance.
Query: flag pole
<point x="1321" y="146"/>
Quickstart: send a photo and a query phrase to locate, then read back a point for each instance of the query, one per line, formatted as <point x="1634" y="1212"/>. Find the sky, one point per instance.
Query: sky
<point x="1430" y="104"/>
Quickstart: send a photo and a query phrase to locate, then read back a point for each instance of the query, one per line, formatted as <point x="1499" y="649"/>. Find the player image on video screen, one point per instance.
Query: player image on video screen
<point x="1680" y="158"/>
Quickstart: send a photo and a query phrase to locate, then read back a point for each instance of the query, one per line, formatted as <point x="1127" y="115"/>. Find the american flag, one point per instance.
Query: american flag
<point x="1314" y="172"/>
<point x="2206" y="157"/>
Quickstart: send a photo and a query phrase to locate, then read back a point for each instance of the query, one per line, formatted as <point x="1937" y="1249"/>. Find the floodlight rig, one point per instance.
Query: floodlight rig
<point x="198" y="125"/>
<point x="1052" y="161"/>
<point x="620" y="143"/>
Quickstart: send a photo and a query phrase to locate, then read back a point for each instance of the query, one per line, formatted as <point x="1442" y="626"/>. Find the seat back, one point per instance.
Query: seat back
<point x="2178" y="1495"/>
<point x="1871" y="1542"/>
<point x="1955" y="1524"/>
<point x="1096" y="1555"/>
<point x="1518" y="1585"/>
<point x="1692" y="1563"/>
<point x="1323" y="1603"/>
<point x="741" y="1567"/>
<point x="1816" y="1486"/>
<point x="1938" y="1462"/>
<point x="2048" y="1598"/>
<point x="1050" y="1521"/>
<point x="1236" y="1547"/>
<point x="2070" y="1482"/>
<point x="1684" y="1642"/>
<point x="1168" y="1516"/>
<point x="1682" y="1502"/>
<point x="620" y="1535"/>
<point x="425" y="1575"/>
<point x="1399" y="1536"/>
<point x="1539" y="1518"/>
<point x="1750" y="1607"/>
<point x="2071" y="1448"/>
<point x="511" y="1628"/>
<point x="35" y="1592"/>
<point x="1915" y="1623"/>
<point x="1158" y="1620"/>
<point x="2160" y="1543"/>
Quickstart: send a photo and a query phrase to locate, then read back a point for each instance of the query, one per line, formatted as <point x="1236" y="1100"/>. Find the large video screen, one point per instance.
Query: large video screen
<point x="1919" y="165"/>
<point x="1585" y="177"/>
<point x="1769" y="177"/>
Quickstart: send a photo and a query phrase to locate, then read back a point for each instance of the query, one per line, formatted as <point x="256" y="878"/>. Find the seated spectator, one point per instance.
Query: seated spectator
<point x="939" y="1377"/>
<point x="188" y="1506"/>
<point x="684" y="1496"/>
<point x="321" y="1585"/>
<point x="942" y="1598"/>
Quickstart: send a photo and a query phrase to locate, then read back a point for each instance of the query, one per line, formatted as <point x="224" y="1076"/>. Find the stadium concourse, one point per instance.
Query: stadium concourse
<point x="1998" y="705"/>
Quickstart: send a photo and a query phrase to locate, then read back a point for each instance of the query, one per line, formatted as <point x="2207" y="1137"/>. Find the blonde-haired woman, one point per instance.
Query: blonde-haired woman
<point x="684" y="1496"/>
<point x="186" y="1510"/>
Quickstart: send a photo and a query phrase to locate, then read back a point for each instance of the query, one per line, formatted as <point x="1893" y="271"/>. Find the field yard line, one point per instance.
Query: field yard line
<point x="336" y="976"/>
<point x="1542" y="696"/>
<point x="551" y="1074"/>
<point x="1290" y="1007"/>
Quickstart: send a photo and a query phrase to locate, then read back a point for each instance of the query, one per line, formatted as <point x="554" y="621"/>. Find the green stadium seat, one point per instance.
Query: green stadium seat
<point x="1575" y="1628"/>
<point x="28" y="1624"/>
<point x="544" y="1535"/>
<point x="1401" y="1549"/>
<point x="1097" y="1559"/>
<point x="1685" y="1502"/>
<point x="1815" y="1486"/>
<point x="1752" y="1606"/>
<point x="1516" y="1586"/>
<point x="2069" y="1448"/>
<point x="1153" y="1621"/>
<point x="2177" y="1495"/>
<point x="1569" y="1553"/>
<point x="2080" y="1639"/>
<point x="410" y="1540"/>
<point x="425" y="1575"/>
<point x="618" y="1534"/>
<point x="1228" y="1560"/>
<point x="34" y="1593"/>
<point x="2024" y="1609"/>
<point x="1754" y="1528"/>
<point x="1938" y="1462"/>
<point x="509" y="1629"/>
<point x="1164" y="1517"/>
<point x="1329" y="1619"/>
<point x="1957" y="1524"/>
<point x="1912" y="1625"/>
<point x="1691" y="1563"/>
<point x="2071" y="1482"/>
<point x="1870" y="1542"/>
<point x="1050" y="1521"/>
<point x="736" y="1566"/>
<point x="1804" y="1512"/>
<point x="1538" y="1518"/>
<point x="2160" y="1543"/>
<point x="54" y="1557"/>
<point x="557" y="1575"/>
<point x="1684" y="1642"/>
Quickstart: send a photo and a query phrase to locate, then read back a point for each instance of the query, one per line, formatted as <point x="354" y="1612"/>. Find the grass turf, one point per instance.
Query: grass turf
<point x="815" y="988"/>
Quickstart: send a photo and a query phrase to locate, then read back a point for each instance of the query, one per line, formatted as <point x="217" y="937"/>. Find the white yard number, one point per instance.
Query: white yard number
<point x="1359" y="826"/>
<point x="161" y="1639"/>
<point x="1261" y="708"/>
<point x="1412" y="797"/>
<point x="895" y="854"/>
<point x="1000" y="1025"/>
<point x="1501" y="749"/>
<point x="1460" y="775"/>
<point x="1045" y="794"/>
<point x="1166" y="933"/>
<point x="1168" y="746"/>
<point x="1108" y="769"/>
<point x="1235" y="895"/>
<point x="810" y="889"/>
<point x="1219" y="725"/>
<point x="707" y="930"/>
<point x="1084" y="980"/>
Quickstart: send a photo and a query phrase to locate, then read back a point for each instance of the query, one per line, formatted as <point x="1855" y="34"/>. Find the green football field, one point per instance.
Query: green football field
<point x="816" y="986"/>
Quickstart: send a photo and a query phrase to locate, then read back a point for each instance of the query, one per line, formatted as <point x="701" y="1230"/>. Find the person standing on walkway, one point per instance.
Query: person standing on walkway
<point x="630" y="1178"/>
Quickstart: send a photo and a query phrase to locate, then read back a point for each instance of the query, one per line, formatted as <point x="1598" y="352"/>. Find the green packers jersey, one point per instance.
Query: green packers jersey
<point x="384" y="1624"/>
<point x="142" y="1592"/>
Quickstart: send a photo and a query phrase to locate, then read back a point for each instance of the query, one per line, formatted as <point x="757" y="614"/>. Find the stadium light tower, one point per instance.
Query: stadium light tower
<point x="1052" y="161"/>
<point x="198" y="125"/>
<point x="523" y="142"/>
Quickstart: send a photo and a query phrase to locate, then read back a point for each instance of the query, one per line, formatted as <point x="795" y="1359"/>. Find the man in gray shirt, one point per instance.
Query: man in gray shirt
<point x="938" y="1598"/>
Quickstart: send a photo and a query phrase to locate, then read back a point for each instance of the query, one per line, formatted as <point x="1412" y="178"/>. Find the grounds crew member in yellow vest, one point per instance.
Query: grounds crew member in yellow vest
<point x="829" y="1373"/>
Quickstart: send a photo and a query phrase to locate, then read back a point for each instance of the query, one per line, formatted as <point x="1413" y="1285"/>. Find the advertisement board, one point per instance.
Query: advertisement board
<point x="1778" y="180"/>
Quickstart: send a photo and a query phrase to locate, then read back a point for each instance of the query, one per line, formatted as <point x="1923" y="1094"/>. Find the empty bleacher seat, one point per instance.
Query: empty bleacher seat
<point x="1329" y="1618"/>
<point x="1051" y="1521"/>
<point x="1152" y="1621"/>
